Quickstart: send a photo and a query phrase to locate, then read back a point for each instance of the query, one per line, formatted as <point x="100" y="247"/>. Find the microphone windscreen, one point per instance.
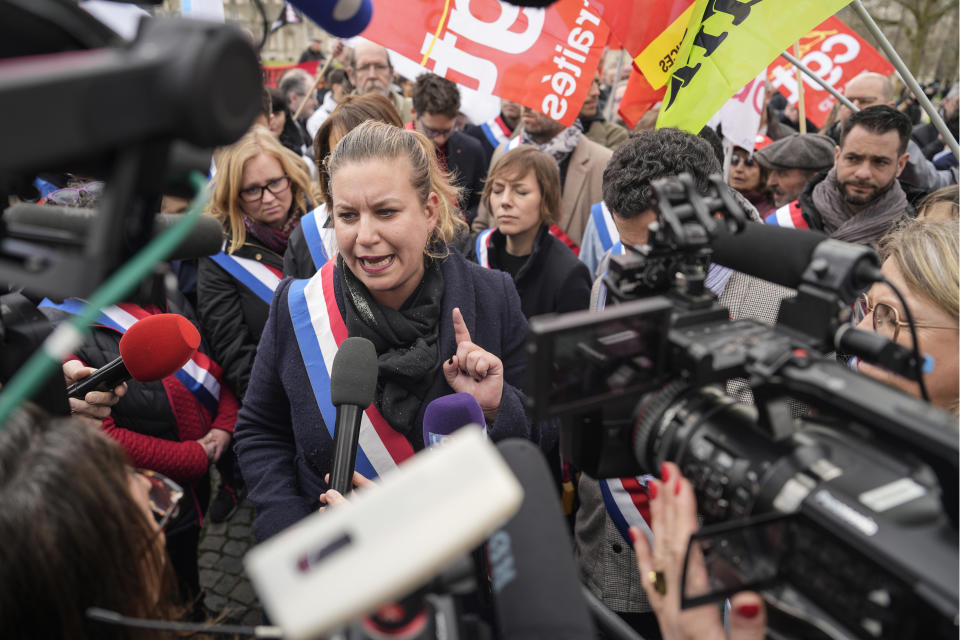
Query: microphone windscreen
<point x="341" y="18"/>
<point x="536" y="586"/>
<point x="775" y="254"/>
<point x="448" y="413"/>
<point x="353" y="379"/>
<point x="157" y="346"/>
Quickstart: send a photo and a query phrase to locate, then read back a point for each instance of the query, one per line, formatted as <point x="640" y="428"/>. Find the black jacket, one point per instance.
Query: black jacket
<point x="551" y="281"/>
<point x="297" y="259"/>
<point x="465" y="158"/>
<point x="476" y="132"/>
<point x="232" y="315"/>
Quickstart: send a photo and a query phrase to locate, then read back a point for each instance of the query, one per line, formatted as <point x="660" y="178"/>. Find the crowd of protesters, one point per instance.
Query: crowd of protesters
<point x="438" y="238"/>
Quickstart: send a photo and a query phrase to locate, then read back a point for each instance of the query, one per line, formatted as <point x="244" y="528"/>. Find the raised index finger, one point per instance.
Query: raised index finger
<point x="460" y="331"/>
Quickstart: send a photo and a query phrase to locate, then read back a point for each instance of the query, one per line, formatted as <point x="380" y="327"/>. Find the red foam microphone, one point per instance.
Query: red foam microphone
<point x="153" y="348"/>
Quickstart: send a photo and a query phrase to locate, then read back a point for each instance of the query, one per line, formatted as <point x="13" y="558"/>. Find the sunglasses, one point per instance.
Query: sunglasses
<point x="164" y="496"/>
<point x="71" y="196"/>
<point x="747" y="161"/>
<point x="886" y="319"/>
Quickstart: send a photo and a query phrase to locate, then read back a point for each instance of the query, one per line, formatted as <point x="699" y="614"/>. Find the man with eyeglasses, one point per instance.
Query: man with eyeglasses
<point x="371" y="71"/>
<point x="436" y="103"/>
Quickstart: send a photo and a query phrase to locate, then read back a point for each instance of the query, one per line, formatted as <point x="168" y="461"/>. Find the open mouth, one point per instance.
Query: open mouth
<point x="376" y="264"/>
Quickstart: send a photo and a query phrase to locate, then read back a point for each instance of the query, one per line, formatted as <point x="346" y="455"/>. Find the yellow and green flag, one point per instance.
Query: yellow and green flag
<point x="726" y="44"/>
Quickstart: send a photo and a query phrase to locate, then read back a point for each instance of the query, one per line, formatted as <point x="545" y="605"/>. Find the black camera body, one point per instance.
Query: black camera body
<point x="867" y="476"/>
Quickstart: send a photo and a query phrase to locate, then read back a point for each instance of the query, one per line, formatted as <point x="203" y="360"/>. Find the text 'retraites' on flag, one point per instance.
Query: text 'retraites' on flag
<point x="727" y="43"/>
<point x="544" y="59"/>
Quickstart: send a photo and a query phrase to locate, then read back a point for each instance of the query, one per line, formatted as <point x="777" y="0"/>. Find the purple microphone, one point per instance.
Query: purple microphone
<point x="448" y="413"/>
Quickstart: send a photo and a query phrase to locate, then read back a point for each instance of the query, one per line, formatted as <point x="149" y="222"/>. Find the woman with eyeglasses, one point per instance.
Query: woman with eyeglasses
<point x="749" y="178"/>
<point x="920" y="258"/>
<point x="260" y="192"/>
<point x="80" y="528"/>
<point x="439" y="324"/>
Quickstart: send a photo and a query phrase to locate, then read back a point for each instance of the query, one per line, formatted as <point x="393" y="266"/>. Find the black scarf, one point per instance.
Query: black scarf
<point x="406" y="341"/>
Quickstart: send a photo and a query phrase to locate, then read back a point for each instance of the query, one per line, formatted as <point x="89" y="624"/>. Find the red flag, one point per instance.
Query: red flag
<point x="542" y="58"/>
<point x="835" y="53"/>
<point x="638" y="99"/>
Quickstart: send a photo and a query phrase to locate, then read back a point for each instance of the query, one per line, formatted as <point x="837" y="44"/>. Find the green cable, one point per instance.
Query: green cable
<point x="70" y="334"/>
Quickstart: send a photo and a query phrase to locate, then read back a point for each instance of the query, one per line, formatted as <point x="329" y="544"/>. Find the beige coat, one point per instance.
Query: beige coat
<point x="582" y="188"/>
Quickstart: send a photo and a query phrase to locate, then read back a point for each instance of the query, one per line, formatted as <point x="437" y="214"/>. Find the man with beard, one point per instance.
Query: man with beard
<point x="371" y="71"/>
<point x="859" y="199"/>
<point x="581" y="162"/>
<point x="595" y="127"/>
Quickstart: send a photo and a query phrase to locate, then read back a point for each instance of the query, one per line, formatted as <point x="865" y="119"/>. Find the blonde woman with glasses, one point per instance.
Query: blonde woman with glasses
<point x="920" y="258"/>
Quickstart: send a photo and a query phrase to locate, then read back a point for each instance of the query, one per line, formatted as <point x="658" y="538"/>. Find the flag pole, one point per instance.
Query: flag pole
<point x="802" y="121"/>
<point x="320" y="71"/>
<point x="613" y="89"/>
<point x="907" y="77"/>
<point x="820" y="81"/>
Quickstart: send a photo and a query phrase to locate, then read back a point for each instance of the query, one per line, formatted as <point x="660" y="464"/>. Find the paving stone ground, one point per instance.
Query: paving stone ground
<point x="222" y="547"/>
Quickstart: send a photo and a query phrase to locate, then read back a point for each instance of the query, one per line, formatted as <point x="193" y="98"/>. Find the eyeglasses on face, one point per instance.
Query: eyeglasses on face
<point x="747" y="161"/>
<point x="886" y="319"/>
<point x="71" y="196"/>
<point x="164" y="496"/>
<point x="255" y="192"/>
<point x="373" y="67"/>
<point x="434" y="133"/>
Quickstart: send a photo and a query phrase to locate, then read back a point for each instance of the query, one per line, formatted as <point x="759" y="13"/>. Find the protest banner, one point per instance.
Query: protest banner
<point x="727" y="43"/>
<point x="639" y="98"/>
<point x="837" y="55"/>
<point x="542" y="58"/>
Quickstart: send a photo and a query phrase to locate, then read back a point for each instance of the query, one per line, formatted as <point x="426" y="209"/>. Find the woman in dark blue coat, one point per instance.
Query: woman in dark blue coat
<point x="439" y="323"/>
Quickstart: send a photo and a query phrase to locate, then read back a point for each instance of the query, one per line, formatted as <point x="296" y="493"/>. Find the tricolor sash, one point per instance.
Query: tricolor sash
<point x="256" y="276"/>
<point x="628" y="504"/>
<point x="320" y="330"/>
<point x="483" y="248"/>
<point x="320" y="239"/>
<point x="562" y="236"/>
<point x="603" y="221"/>
<point x="199" y="375"/>
<point x="789" y="215"/>
<point x="496" y="131"/>
<point x="513" y="144"/>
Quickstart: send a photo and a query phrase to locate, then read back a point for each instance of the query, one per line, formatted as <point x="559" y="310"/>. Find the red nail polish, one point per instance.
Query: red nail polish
<point x="748" y="610"/>
<point x="652" y="490"/>
<point x="664" y="472"/>
<point x="676" y="489"/>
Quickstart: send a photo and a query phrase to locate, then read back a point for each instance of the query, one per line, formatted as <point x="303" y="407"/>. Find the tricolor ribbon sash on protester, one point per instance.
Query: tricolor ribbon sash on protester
<point x="628" y="504"/>
<point x="261" y="279"/>
<point x="483" y="248"/>
<point x="606" y="228"/>
<point x="496" y="131"/>
<point x="789" y="215"/>
<point x="199" y="375"/>
<point x="320" y="330"/>
<point x="321" y="240"/>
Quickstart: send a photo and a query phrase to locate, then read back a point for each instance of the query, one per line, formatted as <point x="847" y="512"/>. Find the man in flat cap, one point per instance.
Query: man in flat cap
<point x="792" y="162"/>
<point x="859" y="199"/>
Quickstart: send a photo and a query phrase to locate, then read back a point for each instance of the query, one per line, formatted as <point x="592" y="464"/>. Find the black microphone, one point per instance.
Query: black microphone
<point x="353" y="381"/>
<point x="536" y="589"/>
<point x="793" y="256"/>
<point x="70" y="226"/>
